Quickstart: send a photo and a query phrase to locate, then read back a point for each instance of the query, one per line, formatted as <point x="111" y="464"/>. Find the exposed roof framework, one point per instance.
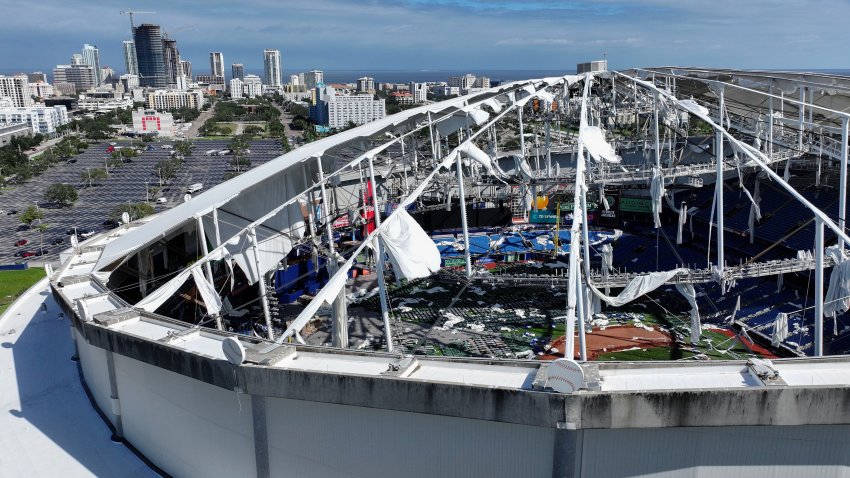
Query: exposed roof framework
<point x="255" y="219"/>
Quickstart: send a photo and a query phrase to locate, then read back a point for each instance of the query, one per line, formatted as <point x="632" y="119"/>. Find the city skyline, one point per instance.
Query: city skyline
<point x="543" y="34"/>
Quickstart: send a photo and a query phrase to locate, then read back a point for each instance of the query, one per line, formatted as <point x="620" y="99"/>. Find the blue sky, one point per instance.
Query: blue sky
<point x="443" y="34"/>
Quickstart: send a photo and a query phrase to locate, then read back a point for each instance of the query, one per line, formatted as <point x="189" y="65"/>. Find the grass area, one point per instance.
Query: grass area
<point x="230" y="126"/>
<point x="654" y="353"/>
<point x="15" y="283"/>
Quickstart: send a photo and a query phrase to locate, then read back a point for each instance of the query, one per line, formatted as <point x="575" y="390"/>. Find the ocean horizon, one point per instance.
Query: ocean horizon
<point x="419" y="75"/>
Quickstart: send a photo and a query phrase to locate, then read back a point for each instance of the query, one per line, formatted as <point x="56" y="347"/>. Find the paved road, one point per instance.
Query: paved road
<point x="198" y="122"/>
<point x="286" y="119"/>
<point x="125" y="184"/>
<point x="46" y="144"/>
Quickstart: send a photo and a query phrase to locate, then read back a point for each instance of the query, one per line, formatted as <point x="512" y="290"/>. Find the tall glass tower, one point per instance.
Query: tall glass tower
<point x="271" y="63"/>
<point x="130" y="58"/>
<point x="149" y="53"/>
<point x="91" y="57"/>
<point x="171" y="57"/>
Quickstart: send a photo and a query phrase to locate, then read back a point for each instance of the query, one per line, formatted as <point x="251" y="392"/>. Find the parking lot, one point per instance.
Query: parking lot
<point x="125" y="184"/>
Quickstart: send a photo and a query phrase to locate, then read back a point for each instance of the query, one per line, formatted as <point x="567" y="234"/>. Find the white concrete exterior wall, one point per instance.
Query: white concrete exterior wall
<point x="96" y="375"/>
<point x="318" y="440"/>
<point x="723" y="452"/>
<point x="184" y="426"/>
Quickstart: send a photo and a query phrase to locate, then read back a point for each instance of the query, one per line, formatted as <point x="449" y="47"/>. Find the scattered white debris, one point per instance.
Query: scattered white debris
<point x="435" y="290"/>
<point x="451" y="321"/>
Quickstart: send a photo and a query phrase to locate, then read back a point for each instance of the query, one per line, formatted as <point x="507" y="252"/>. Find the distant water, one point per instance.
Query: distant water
<point x="421" y="76"/>
<point x="404" y="76"/>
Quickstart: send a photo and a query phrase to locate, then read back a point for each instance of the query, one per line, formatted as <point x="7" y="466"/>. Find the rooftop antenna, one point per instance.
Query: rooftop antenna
<point x="131" y="12"/>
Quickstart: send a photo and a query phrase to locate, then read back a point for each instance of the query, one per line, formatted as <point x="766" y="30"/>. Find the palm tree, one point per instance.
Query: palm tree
<point x="42" y="228"/>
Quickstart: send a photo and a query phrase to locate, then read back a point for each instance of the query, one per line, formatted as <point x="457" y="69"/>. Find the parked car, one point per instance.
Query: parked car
<point x="162" y="200"/>
<point x="22" y="242"/>
<point x="71" y="232"/>
<point x="71" y="161"/>
<point x="28" y="254"/>
<point x="87" y="233"/>
<point x="41" y="252"/>
<point x="58" y="240"/>
<point x="12" y="212"/>
<point x="110" y="149"/>
<point x="110" y="224"/>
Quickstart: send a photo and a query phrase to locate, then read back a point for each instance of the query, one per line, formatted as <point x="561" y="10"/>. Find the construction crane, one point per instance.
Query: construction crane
<point x="131" y="12"/>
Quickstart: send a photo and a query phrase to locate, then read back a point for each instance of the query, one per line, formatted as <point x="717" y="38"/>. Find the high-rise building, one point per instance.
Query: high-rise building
<point x="41" y="119"/>
<point x="217" y="64"/>
<point x="252" y="86"/>
<point x="41" y="89"/>
<point x="235" y="88"/>
<point x="81" y="76"/>
<point x="419" y="92"/>
<point x="129" y="82"/>
<point x="313" y="78"/>
<point x="107" y="75"/>
<point x="37" y="76"/>
<point x="237" y="70"/>
<point x="271" y="64"/>
<point x="366" y="85"/>
<point x="64" y="88"/>
<point x="76" y="59"/>
<point x="186" y="69"/>
<point x="149" y="55"/>
<point x="171" y="99"/>
<point x="294" y="80"/>
<point x="130" y="62"/>
<point x="464" y="82"/>
<point x="91" y="57"/>
<point x="337" y="111"/>
<point x="482" y="82"/>
<point x="171" y="58"/>
<point x="17" y="89"/>
<point x="211" y="80"/>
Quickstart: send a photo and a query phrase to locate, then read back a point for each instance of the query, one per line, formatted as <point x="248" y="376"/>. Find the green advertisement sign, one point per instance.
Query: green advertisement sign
<point x="543" y="216"/>
<point x="635" y="205"/>
<point x="455" y="262"/>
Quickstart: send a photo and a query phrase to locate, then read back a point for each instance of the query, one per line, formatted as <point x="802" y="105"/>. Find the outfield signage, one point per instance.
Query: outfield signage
<point x="543" y="216"/>
<point x="635" y="205"/>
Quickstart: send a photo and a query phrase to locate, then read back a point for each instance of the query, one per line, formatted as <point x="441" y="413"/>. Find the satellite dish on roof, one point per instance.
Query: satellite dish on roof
<point x="565" y="376"/>
<point x="187" y="197"/>
<point x="125" y="217"/>
<point x="83" y="310"/>
<point x="233" y="350"/>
